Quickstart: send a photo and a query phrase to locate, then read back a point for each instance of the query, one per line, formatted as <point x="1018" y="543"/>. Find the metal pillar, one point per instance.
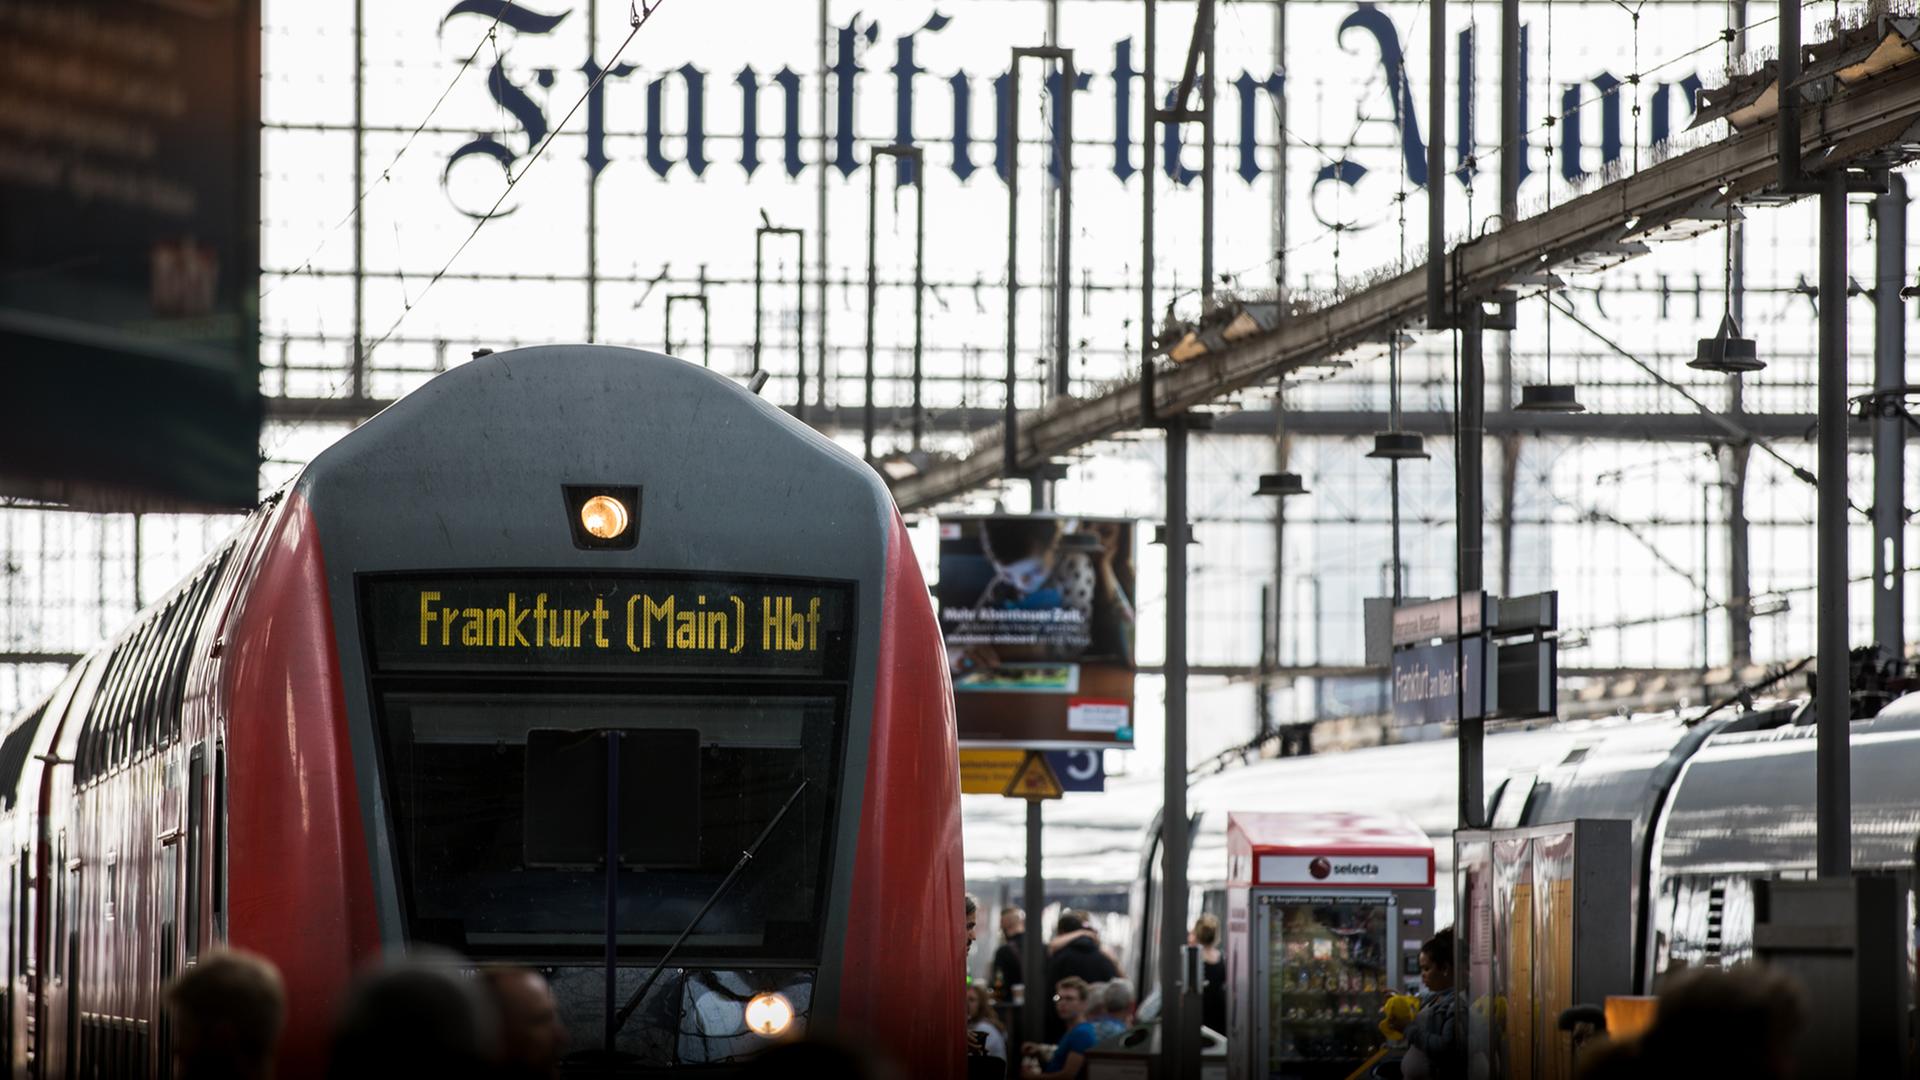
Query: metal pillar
<point x="1279" y="160"/>
<point x="359" y="374"/>
<point x="1788" y="140"/>
<point x="1033" y="952"/>
<point x="593" y="198"/>
<point x="1033" y="956"/>
<point x="906" y="153"/>
<point x="1832" y="801"/>
<point x="1473" y="419"/>
<point x="760" y="234"/>
<point x="1889" y="430"/>
<point x="1205" y="32"/>
<point x="1149" y="112"/>
<point x="1512" y="155"/>
<point x="1062" y="282"/>
<point x="1706" y="594"/>
<point x="1437" y="314"/>
<point x="1739" y="576"/>
<point x="820" y="225"/>
<point x="1179" y="1058"/>
<point x="1469" y="485"/>
<point x="1734" y="464"/>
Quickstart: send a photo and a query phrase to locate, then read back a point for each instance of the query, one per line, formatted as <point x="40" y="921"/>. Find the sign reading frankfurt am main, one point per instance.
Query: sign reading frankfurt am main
<point x="1437" y="684"/>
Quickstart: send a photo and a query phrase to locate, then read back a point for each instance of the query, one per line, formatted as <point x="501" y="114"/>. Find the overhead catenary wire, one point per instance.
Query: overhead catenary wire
<point x="386" y="174"/>
<point x="1732" y="427"/>
<point x="640" y="18"/>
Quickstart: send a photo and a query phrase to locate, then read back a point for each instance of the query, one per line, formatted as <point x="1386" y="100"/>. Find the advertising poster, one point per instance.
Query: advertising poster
<point x="1037" y="611"/>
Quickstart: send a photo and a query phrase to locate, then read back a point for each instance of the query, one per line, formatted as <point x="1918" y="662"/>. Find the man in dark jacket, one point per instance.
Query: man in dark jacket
<point x="1075" y="951"/>
<point x="1006" y="958"/>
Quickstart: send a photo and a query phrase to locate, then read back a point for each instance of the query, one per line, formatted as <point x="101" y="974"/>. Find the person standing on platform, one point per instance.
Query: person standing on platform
<point x="1007" y="958"/>
<point x="532" y="1038"/>
<point x="1213" y="993"/>
<point x="1064" y="1059"/>
<point x="1437" y="1040"/>
<point x="1077" y="955"/>
<point x="981" y="1021"/>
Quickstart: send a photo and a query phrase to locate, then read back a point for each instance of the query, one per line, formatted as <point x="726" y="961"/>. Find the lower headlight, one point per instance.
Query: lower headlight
<point x="769" y="1014"/>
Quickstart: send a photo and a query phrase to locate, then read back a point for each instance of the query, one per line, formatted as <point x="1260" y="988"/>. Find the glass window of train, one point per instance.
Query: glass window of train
<point x="455" y="760"/>
<point x="181" y="654"/>
<point x="1510" y="802"/>
<point x="110" y="886"/>
<point x="57" y="963"/>
<point x="218" y="896"/>
<point x="24" y="890"/>
<point x="196" y="821"/>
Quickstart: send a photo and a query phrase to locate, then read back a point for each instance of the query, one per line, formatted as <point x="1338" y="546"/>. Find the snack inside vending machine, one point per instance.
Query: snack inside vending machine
<point x="1325" y="917"/>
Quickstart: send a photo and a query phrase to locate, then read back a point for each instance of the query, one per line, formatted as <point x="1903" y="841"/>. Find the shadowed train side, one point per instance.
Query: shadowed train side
<point x="1712" y="806"/>
<point x="410" y="702"/>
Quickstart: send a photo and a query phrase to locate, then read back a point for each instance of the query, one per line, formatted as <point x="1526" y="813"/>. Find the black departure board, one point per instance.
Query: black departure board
<point x="641" y="624"/>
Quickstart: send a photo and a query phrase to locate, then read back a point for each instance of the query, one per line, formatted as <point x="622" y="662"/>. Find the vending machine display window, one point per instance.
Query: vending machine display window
<point x="1325" y="917"/>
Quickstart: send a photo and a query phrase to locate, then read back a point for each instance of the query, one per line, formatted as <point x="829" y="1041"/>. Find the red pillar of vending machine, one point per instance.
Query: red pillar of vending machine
<point x="1325" y="917"/>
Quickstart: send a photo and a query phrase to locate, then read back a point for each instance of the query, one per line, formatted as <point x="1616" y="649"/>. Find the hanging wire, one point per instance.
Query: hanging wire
<point x="386" y="174"/>
<point x="639" y="19"/>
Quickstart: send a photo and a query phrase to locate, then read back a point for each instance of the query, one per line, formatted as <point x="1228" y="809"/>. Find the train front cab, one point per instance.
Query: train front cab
<point x="476" y="747"/>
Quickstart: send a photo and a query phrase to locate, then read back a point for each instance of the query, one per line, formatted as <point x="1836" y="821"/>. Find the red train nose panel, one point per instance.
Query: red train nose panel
<point x="904" y="967"/>
<point x="299" y="888"/>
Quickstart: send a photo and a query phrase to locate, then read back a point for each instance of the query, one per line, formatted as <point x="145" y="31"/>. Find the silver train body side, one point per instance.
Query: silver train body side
<point x="1713" y="805"/>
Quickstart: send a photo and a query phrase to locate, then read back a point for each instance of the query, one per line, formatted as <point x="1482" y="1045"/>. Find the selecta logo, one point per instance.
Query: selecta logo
<point x="1322" y="868"/>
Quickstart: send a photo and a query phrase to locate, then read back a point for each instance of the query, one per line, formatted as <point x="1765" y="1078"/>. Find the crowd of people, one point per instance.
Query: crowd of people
<point x="416" y="1017"/>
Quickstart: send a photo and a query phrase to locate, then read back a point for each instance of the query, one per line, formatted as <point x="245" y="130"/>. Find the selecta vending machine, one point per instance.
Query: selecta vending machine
<point x="1325" y="917"/>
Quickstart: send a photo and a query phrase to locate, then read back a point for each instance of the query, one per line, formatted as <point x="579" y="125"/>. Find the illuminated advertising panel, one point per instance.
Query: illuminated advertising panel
<point x="1037" y="612"/>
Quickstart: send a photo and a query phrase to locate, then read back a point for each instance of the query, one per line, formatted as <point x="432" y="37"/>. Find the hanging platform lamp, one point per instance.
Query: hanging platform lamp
<point x="1398" y="446"/>
<point x="1549" y="397"/>
<point x="1280" y="485"/>
<point x="1727" y="352"/>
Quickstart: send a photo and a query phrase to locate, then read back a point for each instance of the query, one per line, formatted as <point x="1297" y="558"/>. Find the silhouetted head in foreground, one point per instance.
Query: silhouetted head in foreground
<point x="415" y="1017"/>
<point x="227" y="1011"/>
<point x="1743" y="1023"/>
<point x="819" y="1057"/>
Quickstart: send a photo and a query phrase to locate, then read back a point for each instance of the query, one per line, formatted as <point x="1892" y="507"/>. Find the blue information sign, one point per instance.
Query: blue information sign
<point x="1079" y="770"/>
<point x="1424" y="686"/>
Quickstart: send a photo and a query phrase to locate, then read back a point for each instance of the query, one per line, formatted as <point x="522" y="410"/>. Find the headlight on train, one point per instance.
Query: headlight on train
<point x="604" y="517"/>
<point x="769" y="1014"/>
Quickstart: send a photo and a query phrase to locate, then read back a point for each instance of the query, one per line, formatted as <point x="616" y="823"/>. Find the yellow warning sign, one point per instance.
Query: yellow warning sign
<point x="987" y="770"/>
<point x="1035" y="780"/>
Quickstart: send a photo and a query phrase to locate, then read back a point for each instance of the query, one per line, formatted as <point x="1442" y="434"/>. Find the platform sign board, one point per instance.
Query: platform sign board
<point x="129" y="253"/>
<point x="986" y="770"/>
<point x="1452" y="617"/>
<point x="1427" y="691"/>
<point x="1037" y="612"/>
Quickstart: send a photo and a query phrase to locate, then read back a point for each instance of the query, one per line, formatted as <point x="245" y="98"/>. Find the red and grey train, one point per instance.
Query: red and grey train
<point x="519" y="669"/>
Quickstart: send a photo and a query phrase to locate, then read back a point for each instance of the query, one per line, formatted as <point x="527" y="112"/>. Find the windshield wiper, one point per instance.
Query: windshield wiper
<point x="633" y="1003"/>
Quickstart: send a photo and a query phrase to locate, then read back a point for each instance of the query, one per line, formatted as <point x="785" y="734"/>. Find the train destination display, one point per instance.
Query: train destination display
<point x="655" y="624"/>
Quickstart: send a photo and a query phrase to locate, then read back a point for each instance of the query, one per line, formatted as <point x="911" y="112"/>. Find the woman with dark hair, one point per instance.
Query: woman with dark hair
<point x="1436" y="1040"/>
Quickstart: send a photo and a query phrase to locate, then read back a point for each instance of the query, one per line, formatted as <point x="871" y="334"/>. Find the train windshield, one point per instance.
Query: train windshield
<point x="507" y="807"/>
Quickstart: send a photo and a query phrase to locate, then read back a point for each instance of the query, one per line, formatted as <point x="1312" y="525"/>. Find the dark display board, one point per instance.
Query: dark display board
<point x="643" y="624"/>
<point x="1037" y="612"/>
<point x="129" y="252"/>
